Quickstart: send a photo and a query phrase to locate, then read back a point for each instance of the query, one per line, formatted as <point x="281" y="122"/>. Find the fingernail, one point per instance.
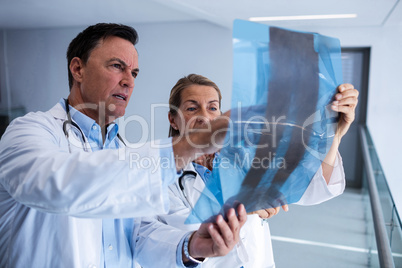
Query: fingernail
<point x="335" y="102"/>
<point x="334" y="107"/>
<point x="338" y="96"/>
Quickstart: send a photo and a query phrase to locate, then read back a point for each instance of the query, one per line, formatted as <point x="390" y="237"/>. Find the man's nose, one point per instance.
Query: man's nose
<point x="127" y="80"/>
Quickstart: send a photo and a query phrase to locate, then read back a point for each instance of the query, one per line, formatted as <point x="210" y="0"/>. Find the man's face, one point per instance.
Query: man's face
<point x="107" y="80"/>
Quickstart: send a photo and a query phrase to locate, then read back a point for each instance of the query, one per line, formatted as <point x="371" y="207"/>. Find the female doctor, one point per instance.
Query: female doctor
<point x="194" y="101"/>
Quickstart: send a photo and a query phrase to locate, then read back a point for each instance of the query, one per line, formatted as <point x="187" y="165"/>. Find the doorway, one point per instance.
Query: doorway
<point x="355" y="65"/>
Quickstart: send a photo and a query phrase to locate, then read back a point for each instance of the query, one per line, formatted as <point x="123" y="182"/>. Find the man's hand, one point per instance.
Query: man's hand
<point x="269" y="212"/>
<point x="219" y="238"/>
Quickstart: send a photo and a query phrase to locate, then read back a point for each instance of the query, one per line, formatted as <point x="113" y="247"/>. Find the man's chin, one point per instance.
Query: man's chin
<point x="113" y="115"/>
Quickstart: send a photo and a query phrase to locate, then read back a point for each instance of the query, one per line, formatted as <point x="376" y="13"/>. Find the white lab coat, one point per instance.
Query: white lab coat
<point x="255" y="248"/>
<point x="52" y="201"/>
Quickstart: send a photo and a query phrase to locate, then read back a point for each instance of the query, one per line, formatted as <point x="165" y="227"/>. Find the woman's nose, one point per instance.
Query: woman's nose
<point x="204" y="115"/>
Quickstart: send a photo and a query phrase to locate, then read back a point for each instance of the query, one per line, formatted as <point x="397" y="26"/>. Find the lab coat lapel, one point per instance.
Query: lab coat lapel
<point x="59" y="113"/>
<point x="199" y="186"/>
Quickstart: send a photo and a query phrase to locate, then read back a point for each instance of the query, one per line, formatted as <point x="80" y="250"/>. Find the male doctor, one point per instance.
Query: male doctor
<point x="65" y="178"/>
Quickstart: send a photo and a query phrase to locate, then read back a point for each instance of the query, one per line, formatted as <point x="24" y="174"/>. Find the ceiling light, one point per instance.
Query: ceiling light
<point x="305" y="17"/>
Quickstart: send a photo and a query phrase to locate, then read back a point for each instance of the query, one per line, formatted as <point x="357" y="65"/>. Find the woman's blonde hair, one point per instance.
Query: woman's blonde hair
<point x="182" y="84"/>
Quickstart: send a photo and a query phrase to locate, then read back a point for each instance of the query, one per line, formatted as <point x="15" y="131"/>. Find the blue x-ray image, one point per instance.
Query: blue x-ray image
<point x="281" y="123"/>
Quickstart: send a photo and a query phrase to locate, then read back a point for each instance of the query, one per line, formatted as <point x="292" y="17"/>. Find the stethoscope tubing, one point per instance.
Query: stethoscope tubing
<point x="181" y="185"/>
<point x="72" y="123"/>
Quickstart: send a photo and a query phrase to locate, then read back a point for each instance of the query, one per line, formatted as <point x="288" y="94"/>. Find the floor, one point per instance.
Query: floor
<point x="331" y="234"/>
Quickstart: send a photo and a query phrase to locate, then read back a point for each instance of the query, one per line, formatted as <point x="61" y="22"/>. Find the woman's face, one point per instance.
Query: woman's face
<point x="199" y="105"/>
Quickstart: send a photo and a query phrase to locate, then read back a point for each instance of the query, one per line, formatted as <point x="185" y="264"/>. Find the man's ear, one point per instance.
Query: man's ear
<point x="172" y="121"/>
<point x="76" y="69"/>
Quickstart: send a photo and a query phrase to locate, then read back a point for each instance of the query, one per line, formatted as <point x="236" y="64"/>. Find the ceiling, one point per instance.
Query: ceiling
<point x="54" y="13"/>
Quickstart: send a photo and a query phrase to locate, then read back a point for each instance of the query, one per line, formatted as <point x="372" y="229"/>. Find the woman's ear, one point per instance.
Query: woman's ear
<point x="172" y="121"/>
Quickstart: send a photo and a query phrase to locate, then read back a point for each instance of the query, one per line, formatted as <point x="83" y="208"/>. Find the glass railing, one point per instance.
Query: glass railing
<point x="383" y="228"/>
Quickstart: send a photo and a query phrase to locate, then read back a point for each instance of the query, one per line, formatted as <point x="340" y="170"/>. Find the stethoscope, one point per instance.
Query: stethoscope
<point x="181" y="185"/>
<point x="72" y="123"/>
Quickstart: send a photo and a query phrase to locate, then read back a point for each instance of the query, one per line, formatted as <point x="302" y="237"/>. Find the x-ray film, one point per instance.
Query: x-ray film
<point x="282" y="126"/>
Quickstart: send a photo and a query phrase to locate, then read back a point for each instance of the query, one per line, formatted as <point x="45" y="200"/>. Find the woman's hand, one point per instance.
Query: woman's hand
<point x="269" y="212"/>
<point x="345" y="103"/>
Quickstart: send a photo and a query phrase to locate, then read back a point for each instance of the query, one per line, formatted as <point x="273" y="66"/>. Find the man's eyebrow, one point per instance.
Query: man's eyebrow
<point x="122" y="62"/>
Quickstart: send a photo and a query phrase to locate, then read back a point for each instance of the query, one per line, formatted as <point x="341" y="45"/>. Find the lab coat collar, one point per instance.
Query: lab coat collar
<point x="58" y="112"/>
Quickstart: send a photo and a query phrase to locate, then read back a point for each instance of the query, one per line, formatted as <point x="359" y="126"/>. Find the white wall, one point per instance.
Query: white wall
<point x="37" y="67"/>
<point x="38" y="75"/>
<point x="170" y="51"/>
<point x="385" y="109"/>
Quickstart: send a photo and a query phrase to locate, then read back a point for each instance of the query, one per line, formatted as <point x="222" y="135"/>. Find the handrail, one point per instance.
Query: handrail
<point x="383" y="245"/>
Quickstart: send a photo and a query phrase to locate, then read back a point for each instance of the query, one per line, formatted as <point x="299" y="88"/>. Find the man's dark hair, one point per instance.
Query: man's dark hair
<point x="82" y="45"/>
